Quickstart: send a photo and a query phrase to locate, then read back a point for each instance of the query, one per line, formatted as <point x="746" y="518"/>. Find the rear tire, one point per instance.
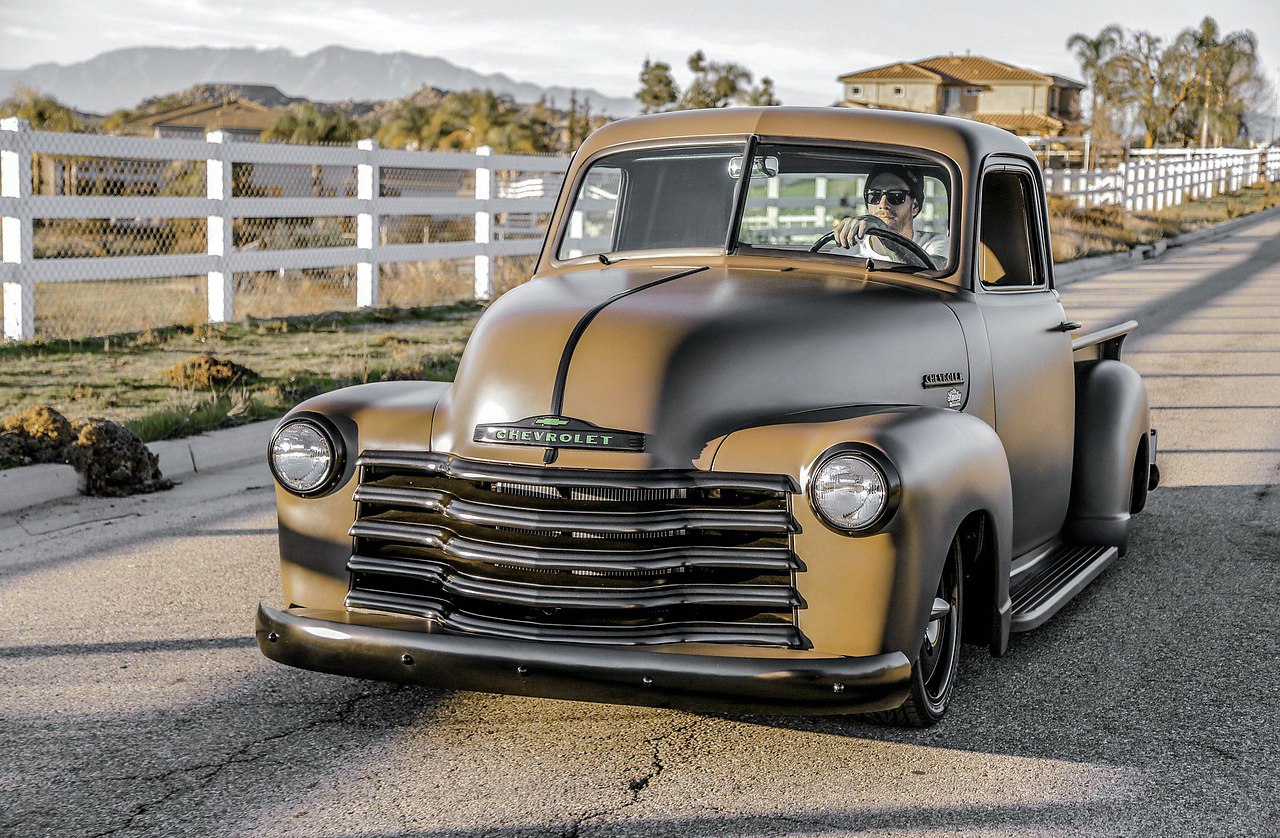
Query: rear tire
<point x="933" y="675"/>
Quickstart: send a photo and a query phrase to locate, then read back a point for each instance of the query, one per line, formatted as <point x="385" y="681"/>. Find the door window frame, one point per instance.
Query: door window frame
<point x="1039" y="229"/>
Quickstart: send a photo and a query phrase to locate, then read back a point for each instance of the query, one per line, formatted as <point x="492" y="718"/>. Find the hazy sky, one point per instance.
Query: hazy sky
<point x="803" y="45"/>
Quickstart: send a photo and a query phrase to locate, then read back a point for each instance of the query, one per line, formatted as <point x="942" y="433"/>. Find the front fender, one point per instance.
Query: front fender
<point x="314" y="545"/>
<point x="871" y="594"/>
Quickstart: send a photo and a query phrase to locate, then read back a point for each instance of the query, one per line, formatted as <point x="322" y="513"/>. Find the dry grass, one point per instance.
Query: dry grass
<point x="1077" y="233"/>
<point x="69" y="310"/>
<point x="124" y="378"/>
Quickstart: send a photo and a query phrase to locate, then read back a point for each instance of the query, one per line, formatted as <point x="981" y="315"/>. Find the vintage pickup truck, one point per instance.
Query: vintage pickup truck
<point x="709" y="458"/>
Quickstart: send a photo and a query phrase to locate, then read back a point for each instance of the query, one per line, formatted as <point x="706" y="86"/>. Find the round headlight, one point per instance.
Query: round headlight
<point x="850" y="492"/>
<point x="303" y="457"/>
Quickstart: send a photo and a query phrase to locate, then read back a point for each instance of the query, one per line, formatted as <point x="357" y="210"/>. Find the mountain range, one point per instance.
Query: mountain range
<point x="121" y="78"/>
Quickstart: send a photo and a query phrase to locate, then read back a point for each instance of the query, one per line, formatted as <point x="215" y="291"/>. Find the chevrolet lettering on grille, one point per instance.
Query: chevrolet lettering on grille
<point x="559" y="432"/>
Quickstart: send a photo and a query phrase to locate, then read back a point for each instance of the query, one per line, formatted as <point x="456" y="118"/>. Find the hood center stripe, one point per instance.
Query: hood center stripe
<point x="566" y="357"/>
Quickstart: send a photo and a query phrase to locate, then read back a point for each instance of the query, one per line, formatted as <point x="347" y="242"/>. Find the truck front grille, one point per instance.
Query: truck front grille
<point x="575" y="555"/>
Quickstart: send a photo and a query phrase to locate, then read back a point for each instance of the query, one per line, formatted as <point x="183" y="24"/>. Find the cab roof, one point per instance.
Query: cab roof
<point x="964" y="141"/>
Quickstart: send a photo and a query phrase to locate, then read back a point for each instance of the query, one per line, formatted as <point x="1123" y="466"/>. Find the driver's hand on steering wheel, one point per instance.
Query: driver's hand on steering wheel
<point x="849" y="231"/>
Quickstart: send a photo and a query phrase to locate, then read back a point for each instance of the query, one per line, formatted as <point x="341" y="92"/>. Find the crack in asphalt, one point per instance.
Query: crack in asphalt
<point x="240" y="756"/>
<point x="636" y="785"/>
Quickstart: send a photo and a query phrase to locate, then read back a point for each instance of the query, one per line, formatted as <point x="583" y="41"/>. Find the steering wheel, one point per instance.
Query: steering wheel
<point x="890" y="235"/>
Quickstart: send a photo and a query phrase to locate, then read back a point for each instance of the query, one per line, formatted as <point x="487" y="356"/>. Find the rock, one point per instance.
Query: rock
<point x="38" y="434"/>
<point x="113" y="461"/>
<point x="206" y="371"/>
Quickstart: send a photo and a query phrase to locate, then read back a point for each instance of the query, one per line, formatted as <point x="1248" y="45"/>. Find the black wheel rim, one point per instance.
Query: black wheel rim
<point x="942" y="638"/>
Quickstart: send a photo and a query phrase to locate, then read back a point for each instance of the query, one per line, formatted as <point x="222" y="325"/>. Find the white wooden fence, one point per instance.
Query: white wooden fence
<point x="375" y="188"/>
<point x="23" y="274"/>
<point x="1152" y="179"/>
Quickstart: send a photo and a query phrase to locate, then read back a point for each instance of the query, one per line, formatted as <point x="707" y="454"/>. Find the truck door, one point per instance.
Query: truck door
<point x="1030" y="353"/>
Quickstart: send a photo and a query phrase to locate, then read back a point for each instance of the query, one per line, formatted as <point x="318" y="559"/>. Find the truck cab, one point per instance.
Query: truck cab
<point x="788" y="411"/>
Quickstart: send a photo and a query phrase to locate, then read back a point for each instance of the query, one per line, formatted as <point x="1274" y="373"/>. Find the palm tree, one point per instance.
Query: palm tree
<point x="1232" y="68"/>
<point x="1095" y="57"/>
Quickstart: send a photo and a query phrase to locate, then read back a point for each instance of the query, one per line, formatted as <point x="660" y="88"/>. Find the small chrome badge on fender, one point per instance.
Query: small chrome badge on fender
<point x="955" y="398"/>
<point x="941" y="379"/>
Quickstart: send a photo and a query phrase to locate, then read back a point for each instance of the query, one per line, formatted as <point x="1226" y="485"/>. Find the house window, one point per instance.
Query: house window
<point x="972" y="91"/>
<point x="899" y="91"/>
<point x="855" y="90"/>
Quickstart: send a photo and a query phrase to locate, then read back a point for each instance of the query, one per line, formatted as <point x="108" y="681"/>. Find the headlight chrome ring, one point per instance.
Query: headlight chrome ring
<point x="306" y="455"/>
<point x="854" y="489"/>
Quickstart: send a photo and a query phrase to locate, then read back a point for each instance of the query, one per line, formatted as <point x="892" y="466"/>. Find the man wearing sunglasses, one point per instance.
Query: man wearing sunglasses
<point x="894" y="196"/>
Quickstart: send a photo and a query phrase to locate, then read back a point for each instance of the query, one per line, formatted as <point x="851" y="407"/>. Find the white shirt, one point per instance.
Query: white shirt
<point x="936" y="245"/>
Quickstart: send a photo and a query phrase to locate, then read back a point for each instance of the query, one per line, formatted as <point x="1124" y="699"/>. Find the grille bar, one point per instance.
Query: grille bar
<point x="451" y="581"/>
<point x="576" y="555"/>
<point x="692" y="631"/>
<point x="664" y="520"/>
<point x="446" y="466"/>
<point x="453" y="545"/>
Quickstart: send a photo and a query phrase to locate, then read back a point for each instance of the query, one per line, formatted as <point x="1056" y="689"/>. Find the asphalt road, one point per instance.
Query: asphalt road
<point x="133" y="701"/>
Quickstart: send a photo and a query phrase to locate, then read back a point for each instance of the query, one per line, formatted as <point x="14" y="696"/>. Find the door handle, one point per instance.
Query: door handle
<point x="1067" y="326"/>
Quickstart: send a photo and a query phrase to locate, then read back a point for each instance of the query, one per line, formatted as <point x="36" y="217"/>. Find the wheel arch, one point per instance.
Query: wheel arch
<point x="1112" y="422"/>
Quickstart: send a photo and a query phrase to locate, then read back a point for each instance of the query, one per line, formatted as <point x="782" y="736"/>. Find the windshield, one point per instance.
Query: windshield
<point x="655" y="199"/>
<point x="892" y="208"/>
<point x="871" y="200"/>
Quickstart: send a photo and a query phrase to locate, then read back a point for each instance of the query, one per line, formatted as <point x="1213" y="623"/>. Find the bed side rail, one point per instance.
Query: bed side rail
<point x="1104" y="343"/>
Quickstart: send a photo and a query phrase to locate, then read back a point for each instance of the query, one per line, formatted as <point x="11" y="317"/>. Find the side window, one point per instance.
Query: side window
<point x="1008" y="255"/>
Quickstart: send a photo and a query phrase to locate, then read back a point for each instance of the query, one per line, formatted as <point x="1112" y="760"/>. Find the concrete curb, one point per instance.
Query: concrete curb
<point x="1065" y="273"/>
<point x="21" y="488"/>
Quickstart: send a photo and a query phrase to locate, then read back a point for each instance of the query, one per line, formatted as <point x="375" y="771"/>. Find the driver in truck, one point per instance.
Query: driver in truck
<point x="894" y="197"/>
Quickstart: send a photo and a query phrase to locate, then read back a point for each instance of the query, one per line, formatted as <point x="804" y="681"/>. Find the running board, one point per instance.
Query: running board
<point x="1041" y="591"/>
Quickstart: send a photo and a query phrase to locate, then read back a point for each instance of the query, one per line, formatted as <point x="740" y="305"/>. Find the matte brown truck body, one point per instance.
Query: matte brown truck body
<point x="737" y="363"/>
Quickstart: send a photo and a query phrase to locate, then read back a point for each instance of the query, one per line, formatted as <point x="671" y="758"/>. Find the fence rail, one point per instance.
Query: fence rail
<point x="52" y="177"/>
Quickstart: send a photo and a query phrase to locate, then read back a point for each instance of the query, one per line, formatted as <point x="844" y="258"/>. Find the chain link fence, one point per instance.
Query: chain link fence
<point x="103" y="235"/>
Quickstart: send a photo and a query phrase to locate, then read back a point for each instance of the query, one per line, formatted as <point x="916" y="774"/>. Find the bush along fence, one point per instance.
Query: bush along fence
<point x="205" y="230"/>
<point x="103" y="235"/>
<point x="1153" y="179"/>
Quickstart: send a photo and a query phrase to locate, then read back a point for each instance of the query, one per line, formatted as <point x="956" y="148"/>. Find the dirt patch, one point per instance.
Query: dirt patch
<point x="113" y="461"/>
<point x="206" y="371"/>
<point x="38" y="434"/>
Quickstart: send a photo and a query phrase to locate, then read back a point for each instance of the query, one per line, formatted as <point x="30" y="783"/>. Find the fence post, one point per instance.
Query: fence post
<point x="773" y="191"/>
<point x="218" y="188"/>
<point x="15" y="180"/>
<point x="484" y="232"/>
<point x="820" y="205"/>
<point x="367" y="189"/>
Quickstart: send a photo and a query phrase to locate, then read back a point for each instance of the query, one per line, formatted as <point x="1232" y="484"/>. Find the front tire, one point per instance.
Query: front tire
<point x="933" y="675"/>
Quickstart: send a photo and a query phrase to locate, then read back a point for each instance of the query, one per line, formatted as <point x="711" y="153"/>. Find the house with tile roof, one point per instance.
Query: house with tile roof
<point x="244" y="119"/>
<point x="1019" y="100"/>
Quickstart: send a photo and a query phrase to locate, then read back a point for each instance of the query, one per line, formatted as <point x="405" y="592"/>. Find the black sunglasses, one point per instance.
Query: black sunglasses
<point x="896" y="196"/>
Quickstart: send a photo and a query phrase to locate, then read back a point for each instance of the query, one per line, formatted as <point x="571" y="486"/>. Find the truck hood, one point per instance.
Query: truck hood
<point x="691" y="359"/>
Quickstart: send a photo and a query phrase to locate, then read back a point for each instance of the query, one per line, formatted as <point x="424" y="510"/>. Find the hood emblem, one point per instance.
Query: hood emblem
<point x="941" y="379"/>
<point x="559" y="432"/>
<point x="955" y="398"/>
